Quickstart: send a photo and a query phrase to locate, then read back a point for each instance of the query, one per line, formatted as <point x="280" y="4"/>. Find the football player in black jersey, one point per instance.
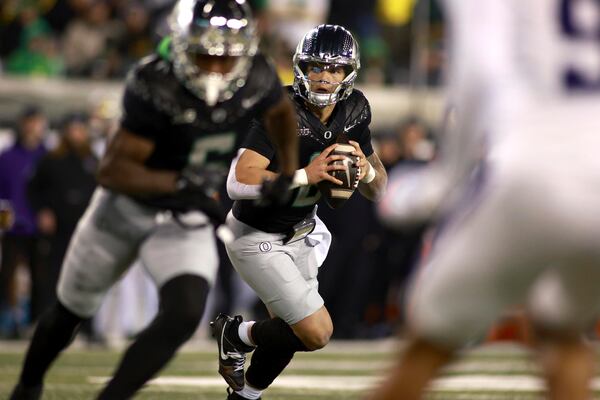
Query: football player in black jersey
<point x="278" y="250"/>
<point x="182" y="114"/>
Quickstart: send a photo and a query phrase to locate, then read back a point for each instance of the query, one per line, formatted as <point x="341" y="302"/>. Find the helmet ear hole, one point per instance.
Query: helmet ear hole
<point x="326" y="45"/>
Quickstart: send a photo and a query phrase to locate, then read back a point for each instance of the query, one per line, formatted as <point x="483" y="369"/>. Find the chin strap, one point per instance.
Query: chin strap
<point x="323" y="99"/>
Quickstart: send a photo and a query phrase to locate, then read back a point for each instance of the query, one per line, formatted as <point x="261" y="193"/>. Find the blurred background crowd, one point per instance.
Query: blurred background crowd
<point x="48" y="158"/>
<point x="100" y="39"/>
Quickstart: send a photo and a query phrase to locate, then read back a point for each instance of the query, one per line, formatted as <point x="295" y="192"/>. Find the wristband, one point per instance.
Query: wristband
<point x="300" y="179"/>
<point x="368" y="178"/>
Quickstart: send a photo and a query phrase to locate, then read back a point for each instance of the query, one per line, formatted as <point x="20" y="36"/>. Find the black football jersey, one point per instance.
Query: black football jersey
<point x="183" y="127"/>
<point x="350" y="117"/>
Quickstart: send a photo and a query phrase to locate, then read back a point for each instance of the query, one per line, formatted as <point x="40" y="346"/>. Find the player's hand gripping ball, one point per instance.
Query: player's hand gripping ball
<point x="336" y="195"/>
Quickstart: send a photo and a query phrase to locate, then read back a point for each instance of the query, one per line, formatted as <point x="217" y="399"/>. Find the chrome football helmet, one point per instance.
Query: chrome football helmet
<point x="214" y="28"/>
<point x="326" y="45"/>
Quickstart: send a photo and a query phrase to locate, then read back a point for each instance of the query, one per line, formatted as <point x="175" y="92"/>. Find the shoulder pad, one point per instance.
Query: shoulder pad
<point x="152" y="80"/>
<point x="358" y="109"/>
<point x="151" y="66"/>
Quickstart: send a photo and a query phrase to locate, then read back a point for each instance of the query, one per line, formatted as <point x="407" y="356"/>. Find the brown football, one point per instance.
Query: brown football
<point x="336" y="195"/>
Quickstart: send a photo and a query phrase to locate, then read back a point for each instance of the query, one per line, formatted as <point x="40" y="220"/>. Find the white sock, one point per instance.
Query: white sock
<point x="250" y="393"/>
<point x="243" y="334"/>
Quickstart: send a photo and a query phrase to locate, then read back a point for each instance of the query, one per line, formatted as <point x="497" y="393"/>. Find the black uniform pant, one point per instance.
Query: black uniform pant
<point x="30" y="251"/>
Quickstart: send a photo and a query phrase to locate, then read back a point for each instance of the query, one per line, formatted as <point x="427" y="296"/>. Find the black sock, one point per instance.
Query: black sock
<point x="266" y="365"/>
<point x="276" y="334"/>
<point x="54" y="332"/>
<point x="276" y="345"/>
<point x="182" y="302"/>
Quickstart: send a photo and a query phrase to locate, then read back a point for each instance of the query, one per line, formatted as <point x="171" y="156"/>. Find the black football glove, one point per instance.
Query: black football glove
<point x="199" y="201"/>
<point x="276" y="192"/>
<point x="198" y="189"/>
<point x="204" y="179"/>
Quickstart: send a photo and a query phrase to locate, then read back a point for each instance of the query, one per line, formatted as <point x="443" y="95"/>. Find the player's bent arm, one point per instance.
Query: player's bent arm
<point x="375" y="189"/>
<point x="122" y="168"/>
<point x="249" y="170"/>
<point x="252" y="168"/>
<point x="280" y="123"/>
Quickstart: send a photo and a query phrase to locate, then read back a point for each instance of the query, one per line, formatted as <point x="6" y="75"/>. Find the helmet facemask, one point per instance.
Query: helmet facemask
<point x="342" y="89"/>
<point x="225" y="34"/>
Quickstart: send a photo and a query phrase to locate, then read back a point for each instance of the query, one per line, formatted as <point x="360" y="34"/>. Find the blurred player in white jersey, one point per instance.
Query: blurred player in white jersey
<point x="525" y="80"/>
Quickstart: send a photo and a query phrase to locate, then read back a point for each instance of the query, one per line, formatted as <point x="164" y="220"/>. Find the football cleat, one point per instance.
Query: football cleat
<point x="232" y="353"/>
<point x="231" y="395"/>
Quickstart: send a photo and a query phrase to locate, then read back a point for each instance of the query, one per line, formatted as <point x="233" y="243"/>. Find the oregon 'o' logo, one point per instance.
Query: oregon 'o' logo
<point x="265" y="247"/>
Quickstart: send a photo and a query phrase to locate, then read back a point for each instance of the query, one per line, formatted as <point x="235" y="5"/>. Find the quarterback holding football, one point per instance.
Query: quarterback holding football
<point x="185" y="108"/>
<point x="277" y="250"/>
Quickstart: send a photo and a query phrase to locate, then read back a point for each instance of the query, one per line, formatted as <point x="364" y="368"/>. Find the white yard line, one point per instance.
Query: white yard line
<point x="351" y="383"/>
<point x="489" y="383"/>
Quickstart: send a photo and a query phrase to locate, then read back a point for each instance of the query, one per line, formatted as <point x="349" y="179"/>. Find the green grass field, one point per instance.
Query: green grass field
<point x="341" y="371"/>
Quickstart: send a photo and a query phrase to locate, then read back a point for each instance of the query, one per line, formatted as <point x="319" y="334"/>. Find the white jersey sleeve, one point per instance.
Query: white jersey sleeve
<point x="237" y="190"/>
